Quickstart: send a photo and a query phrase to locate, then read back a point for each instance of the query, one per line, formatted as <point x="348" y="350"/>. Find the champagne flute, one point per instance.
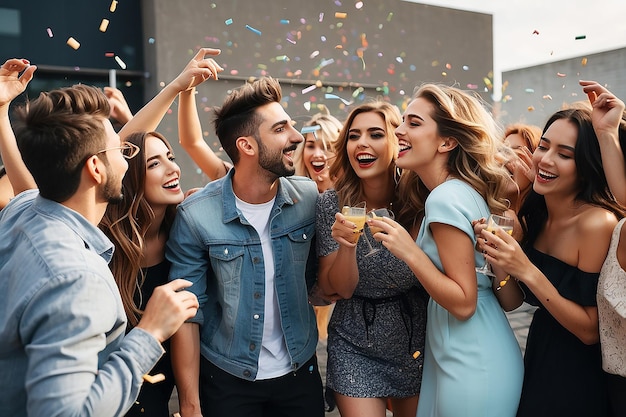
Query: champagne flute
<point x="357" y="215"/>
<point x="495" y="221"/>
<point x="373" y="214"/>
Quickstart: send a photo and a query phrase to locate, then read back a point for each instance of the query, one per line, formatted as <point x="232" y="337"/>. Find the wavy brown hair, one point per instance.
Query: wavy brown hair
<point x="462" y="116"/>
<point x="126" y="225"/>
<point x="406" y="205"/>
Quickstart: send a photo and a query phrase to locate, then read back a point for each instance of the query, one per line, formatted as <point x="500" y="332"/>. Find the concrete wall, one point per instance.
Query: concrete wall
<point x="533" y="94"/>
<point x="383" y="50"/>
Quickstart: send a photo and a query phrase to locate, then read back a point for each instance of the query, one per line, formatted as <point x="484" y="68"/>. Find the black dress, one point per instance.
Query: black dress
<point x="562" y="375"/>
<point x="154" y="398"/>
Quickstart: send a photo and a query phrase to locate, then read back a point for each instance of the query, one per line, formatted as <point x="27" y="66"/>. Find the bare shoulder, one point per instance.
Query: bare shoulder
<point x="595" y="227"/>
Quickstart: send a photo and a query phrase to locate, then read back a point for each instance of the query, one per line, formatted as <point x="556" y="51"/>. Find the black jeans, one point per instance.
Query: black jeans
<point x="295" y="394"/>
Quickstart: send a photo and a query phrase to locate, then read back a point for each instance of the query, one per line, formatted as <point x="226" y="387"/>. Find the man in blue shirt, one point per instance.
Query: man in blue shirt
<point x="62" y="323"/>
<point x="244" y="241"/>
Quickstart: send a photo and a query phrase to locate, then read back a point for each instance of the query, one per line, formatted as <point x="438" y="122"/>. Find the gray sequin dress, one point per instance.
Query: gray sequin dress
<point x="373" y="336"/>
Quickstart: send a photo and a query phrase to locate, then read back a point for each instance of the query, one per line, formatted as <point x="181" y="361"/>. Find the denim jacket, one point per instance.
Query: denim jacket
<point x="212" y="245"/>
<point x="62" y="346"/>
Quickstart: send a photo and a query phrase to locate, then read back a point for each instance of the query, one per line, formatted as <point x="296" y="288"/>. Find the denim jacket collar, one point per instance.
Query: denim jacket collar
<point x="229" y="207"/>
<point x="93" y="237"/>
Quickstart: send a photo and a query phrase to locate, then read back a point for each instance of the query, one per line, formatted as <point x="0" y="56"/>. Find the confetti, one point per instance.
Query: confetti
<point x="340" y="15"/>
<point x="547" y="97"/>
<point x="326" y="62"/>
<point x="109" y="54"/>
<point x="228" y="22"/>
<point x="321" y="17"/>
<point x="310" y="129"/>
<point x="560" y="74"/>
<point x="334" y="96"/>
<point x="389" y="16"/>
<point x="580" y="37"/>
<point x="416" y="354"/>
<point x="309" y="89"/>
<point x="113" y="6"/>
<point x="120" y="62"/>
<point x="531" y="108"/>
<point x="284" y="21"/>
<point x="73" y="43"/>
<point x="253" y="30"/>
<point x="529" y="90"/>
<point x="282" y="58"/>
<point x="49" y="32"/>
<point x="583" y="62"/>
<point x="535" y="32"/>
<point x="104" y="25"/>
<point x="153" y="379"/>
<point x="358" y="5"/>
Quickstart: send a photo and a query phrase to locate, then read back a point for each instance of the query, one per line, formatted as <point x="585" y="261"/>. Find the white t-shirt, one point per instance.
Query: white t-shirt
<point x="274" y="358"/>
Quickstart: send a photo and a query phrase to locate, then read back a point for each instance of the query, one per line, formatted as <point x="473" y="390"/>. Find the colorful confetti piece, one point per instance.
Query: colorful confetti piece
<point x="253" y="30"/>
<point x="49" y="32"/>
<point x="228" y="22"/>
<point x="580" y="37"/>
<point x="340" y="15"/>
<point x="73" y="43"/>
<point x="119" y="61"/>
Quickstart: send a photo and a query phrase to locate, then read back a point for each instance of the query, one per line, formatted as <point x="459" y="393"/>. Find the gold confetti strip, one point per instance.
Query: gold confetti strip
<point x="153" y="379"/>
<point x="73" y="43"/>
<point x="416" y="354"/>
<point x="113" y="6"/>
<point x="104" y="25"/>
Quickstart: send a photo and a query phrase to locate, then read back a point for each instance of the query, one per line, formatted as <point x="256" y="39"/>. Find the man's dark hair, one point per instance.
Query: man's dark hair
<point x="238" y="117"/>
<point x="56" y="134"/>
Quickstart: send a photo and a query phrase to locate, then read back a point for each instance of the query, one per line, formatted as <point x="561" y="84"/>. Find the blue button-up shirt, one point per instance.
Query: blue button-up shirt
<point x="62" y="346"/>
<point x="212" y="245"/>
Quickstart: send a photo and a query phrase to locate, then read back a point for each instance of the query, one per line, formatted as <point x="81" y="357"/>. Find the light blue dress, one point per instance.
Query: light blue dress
<point x="472" y="368"/>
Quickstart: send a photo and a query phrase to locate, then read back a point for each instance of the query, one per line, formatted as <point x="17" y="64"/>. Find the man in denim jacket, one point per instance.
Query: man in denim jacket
<point x="62" y="324"/>
<point x="244" y="241"/>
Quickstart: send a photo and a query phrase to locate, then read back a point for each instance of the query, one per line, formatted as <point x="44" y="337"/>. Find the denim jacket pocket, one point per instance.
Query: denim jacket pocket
<point x="301" y="240"/>
<point x="227" y="263"/>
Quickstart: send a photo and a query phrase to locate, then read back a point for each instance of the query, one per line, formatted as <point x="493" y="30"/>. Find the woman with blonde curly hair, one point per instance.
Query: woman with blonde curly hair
<point x="473" y="364"/>
<point x="377" y="329"/>
<point x="315" y="156"/>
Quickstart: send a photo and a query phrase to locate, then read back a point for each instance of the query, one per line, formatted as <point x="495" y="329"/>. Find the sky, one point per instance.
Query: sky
<point x="532" y="32"/>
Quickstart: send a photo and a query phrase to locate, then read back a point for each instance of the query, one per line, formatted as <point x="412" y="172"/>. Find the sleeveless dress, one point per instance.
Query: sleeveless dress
<point x="373" y="336"/>
<point x="472" y="368"/>
<point x="153" y="400"/>
<point x="563" y="376"/>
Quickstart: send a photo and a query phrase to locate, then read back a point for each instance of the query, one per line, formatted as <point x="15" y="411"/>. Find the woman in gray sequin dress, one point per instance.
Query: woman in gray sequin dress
<point x="377" y="330"/>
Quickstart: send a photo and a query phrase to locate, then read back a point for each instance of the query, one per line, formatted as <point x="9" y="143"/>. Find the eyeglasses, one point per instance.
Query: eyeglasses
<point x="128" y="150"/>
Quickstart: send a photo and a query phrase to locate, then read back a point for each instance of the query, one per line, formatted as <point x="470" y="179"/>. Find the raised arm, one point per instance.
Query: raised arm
<point x="198" y="70"/>
<point x="607" y="114"/>
<point x="11" y="86"/>
<point x="190" y="137"/>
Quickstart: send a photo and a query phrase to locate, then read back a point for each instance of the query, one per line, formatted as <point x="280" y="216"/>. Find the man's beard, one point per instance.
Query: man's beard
<point x="111" y="191"/>
<point x="273" y="162"/>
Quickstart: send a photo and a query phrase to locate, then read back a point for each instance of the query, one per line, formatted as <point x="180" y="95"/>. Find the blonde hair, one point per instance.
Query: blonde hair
<point x="328" y="133"/>
<point x="463" y="117"/>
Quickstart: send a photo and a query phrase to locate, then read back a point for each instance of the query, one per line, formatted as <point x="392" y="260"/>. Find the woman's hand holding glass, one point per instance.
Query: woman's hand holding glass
<point x="493" y="223"/>
<point x="349" y="224"/>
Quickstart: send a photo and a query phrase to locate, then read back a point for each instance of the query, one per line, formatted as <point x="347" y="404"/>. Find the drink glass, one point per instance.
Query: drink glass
<point x="373" y="214"/>
<point x="357" y="215"/>
<point x="495" y="221"/>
